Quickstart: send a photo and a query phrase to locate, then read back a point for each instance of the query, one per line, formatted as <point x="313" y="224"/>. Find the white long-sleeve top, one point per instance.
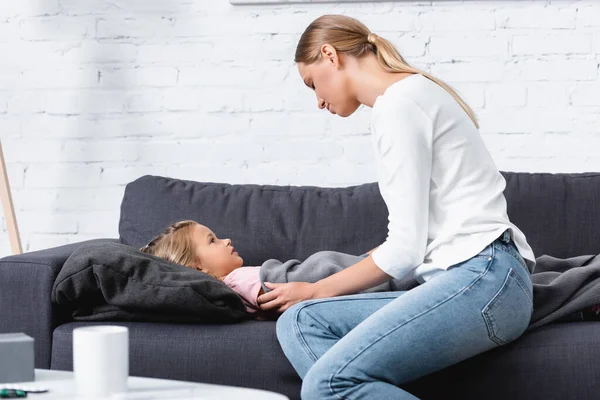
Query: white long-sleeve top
<point x="443" y="191"/>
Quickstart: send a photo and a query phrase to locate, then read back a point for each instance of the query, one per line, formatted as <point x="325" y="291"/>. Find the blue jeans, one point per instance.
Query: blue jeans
<point x="367" y="345"/>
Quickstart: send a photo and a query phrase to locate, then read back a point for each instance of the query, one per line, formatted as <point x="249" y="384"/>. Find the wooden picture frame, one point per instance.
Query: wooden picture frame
<point x="7" y="205"/>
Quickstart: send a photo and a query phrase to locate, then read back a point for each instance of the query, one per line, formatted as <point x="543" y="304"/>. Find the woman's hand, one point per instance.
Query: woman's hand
<point x="284" y="295"/>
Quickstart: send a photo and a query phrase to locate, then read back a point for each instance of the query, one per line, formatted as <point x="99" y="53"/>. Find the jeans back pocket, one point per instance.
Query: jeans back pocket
<point x="508" y="313"/>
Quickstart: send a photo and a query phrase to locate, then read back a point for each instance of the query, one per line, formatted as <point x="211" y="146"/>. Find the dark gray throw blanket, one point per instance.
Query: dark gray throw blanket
<point x="560" y="286"/>
<point x="563" y="286"/>
<point x="115" y="282"/>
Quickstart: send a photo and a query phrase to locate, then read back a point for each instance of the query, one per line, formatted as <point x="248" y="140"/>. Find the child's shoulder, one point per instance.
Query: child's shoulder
<point x="244" y="271"/>
<point x="242" y="276"/>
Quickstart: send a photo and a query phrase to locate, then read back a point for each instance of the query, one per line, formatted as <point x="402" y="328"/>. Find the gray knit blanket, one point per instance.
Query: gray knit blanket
<point x="561" y="287"/>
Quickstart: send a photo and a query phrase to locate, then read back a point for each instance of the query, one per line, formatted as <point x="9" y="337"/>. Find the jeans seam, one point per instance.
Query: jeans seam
<point x="300" y="336"/>
<point x="487" y="317"/>
<point x="522" y="284"/>
<point x="487" y="268"/>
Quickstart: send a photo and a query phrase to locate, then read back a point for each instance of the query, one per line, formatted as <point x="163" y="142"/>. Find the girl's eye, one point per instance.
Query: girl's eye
<point x="313" y="86"/>
<point x="212" y="240"/>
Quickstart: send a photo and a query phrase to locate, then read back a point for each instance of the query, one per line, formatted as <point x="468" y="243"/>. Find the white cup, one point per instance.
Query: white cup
<point x="100" y="360"/>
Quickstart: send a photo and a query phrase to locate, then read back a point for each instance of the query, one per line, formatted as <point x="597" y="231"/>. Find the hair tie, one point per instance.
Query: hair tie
<point x="371" y="38"/>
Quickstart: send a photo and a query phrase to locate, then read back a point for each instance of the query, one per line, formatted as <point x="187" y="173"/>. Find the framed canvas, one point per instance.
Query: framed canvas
<point x="9" y="211"/>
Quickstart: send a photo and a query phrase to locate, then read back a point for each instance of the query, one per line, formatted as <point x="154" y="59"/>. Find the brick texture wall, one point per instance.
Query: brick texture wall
<point x="94" y="94"/>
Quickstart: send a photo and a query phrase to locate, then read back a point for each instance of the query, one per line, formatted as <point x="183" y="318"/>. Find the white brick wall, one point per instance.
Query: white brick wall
<point x="94" y="94"/>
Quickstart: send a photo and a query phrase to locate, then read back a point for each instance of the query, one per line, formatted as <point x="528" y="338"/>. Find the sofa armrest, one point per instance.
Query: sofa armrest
<point x="25" y="287"/>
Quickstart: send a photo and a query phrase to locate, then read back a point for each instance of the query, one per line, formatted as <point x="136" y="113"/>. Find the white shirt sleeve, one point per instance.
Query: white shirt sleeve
<point x="403" y="136"/>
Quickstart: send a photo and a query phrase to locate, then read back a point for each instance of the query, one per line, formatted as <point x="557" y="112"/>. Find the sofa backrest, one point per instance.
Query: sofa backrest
<point x="262" y="221"/>
<point x="557" y="213"/>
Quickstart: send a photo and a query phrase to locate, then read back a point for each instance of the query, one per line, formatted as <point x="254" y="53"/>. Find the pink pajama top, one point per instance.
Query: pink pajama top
<point x="245" y="281"/>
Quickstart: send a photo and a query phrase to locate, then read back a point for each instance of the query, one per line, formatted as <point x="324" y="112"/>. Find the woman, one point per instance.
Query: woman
<point x="448" y="226"/>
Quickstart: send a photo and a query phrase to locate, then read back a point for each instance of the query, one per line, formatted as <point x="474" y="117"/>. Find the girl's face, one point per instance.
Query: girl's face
<point x="214" y="255"/>
<point x="331" y="83"/>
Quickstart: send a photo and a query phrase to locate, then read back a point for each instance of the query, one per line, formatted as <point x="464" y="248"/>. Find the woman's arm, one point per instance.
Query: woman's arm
<point x="361" y="276"/>
<point x="403" y="134"/>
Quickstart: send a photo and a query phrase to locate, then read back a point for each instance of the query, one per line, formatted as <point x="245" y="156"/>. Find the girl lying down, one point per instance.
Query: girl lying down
<point x="196" y="246"/>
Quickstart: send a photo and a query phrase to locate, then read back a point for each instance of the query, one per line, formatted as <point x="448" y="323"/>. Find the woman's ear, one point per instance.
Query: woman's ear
<point x="329" y="54"/>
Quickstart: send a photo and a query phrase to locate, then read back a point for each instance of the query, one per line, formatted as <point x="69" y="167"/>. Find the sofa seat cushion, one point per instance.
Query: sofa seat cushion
<point x="244" y="354"/>
<point x="554" y="362"/>
<point x="550" y="363"/>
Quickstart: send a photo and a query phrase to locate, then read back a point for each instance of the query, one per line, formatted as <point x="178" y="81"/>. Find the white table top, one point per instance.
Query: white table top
<point x="61" y="385"/>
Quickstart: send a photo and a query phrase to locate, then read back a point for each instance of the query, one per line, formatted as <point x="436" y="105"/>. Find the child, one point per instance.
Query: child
<point x="194" y="245"/>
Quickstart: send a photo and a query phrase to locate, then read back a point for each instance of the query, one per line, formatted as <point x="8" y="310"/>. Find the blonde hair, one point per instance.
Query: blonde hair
<point x="348" y="35"/>
<point x="175" y="244"/>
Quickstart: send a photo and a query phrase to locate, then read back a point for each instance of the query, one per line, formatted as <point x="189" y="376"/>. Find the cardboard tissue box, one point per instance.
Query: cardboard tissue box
<point x="16" y="358"/>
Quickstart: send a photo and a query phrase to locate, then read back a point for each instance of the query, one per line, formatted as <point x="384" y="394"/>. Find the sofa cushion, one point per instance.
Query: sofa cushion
<point x="551" y="363"/>
<point x="112" y="281"/>
<point x="557" y="212"/>
<point x="263" y="222"/>
<point x="244" y="354"/>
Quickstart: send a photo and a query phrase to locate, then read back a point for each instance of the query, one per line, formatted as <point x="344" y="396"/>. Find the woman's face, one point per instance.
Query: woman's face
<point x="214" y="255"/>
<point x="331" y="84"/>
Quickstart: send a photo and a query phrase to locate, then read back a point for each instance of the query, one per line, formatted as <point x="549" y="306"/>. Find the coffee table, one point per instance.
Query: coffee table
<point x="61" y="386"/>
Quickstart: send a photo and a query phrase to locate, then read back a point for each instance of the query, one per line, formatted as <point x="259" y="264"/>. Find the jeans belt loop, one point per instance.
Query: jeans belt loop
<point x="506" y="236"/>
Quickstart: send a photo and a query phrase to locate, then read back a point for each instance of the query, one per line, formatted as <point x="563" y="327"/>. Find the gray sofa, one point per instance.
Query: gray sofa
<point x="559" y="214"/>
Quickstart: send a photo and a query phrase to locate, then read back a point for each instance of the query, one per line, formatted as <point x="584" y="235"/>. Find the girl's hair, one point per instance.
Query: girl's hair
<point x="175" y="244"/>
<point x="348" y="35"/>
